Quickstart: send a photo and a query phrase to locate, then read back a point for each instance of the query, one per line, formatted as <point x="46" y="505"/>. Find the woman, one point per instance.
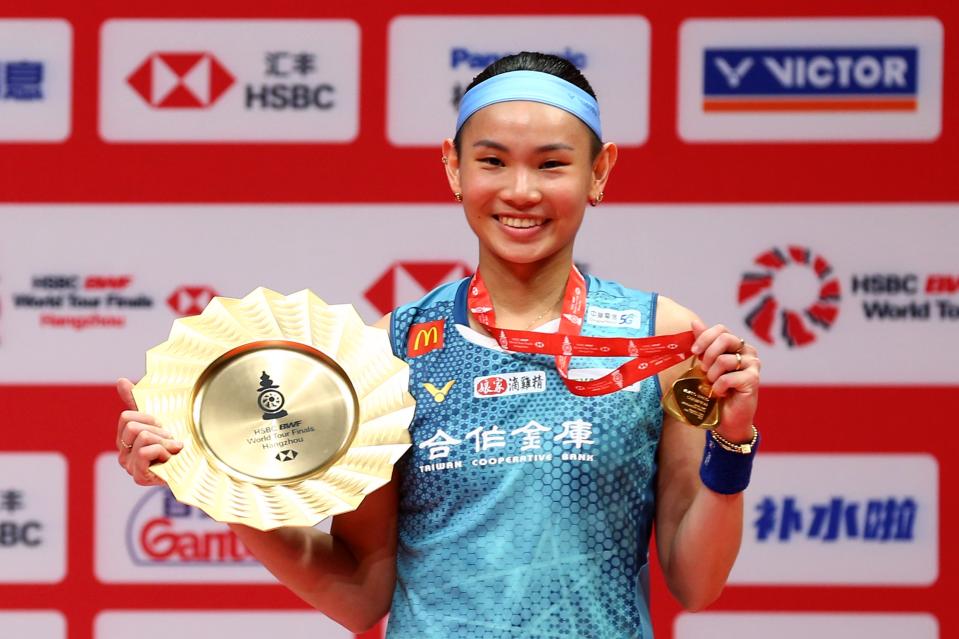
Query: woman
<point x="524" y="509"/>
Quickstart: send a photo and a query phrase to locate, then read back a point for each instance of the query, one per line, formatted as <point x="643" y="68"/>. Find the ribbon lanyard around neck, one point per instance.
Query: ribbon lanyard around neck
<point x="650" y="355"/>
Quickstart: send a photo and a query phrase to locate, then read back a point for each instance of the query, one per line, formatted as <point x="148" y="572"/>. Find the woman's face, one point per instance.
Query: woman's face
<point x="526" y="176"/>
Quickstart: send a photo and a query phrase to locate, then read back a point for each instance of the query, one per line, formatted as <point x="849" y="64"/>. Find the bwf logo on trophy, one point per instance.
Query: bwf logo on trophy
<point x="270" y="399"/>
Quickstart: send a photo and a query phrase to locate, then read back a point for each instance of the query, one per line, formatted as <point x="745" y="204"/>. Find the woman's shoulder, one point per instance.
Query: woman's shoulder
<point x="444" y="293"/>
<point x="600" y="286"/>
<point x="672" y="317"/>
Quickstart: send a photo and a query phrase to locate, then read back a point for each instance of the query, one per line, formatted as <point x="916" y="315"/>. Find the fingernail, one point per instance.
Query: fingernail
<point x="696" y="349"/>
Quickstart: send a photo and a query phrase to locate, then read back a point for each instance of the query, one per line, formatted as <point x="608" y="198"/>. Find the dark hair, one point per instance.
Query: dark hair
<point x="545" y="63"/>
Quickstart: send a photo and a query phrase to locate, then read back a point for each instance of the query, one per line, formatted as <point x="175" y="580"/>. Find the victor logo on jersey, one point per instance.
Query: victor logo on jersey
<point x="181" y="80"/>
<point x="425" y="337"/>
<point x="439" y="394"/>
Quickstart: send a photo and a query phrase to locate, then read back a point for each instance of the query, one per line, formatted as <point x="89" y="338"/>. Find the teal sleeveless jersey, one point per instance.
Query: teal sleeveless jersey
<point x="525" y="511"/>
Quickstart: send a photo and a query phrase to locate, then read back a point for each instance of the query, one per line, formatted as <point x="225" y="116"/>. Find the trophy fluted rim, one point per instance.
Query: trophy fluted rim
<point x="301" y="321"/>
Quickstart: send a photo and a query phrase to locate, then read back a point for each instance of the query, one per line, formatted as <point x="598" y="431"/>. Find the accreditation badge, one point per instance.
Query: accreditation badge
<point x="291" y="410"/>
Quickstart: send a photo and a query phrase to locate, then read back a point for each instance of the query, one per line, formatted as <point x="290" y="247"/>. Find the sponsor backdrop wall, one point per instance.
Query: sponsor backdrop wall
<point x="787" y="170"/>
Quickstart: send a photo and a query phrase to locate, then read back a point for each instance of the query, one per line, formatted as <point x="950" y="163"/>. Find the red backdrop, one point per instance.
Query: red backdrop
<point x="78" y="421"/>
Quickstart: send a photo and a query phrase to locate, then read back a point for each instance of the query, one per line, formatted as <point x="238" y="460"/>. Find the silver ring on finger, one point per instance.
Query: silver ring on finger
<point x="742" y="345"/>
<point x="739" y="361"/>
<point x="126" y="445"/>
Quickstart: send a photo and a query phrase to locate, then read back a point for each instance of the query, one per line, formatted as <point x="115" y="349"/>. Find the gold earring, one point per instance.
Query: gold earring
<point x="446" y="160"/>
<point x="458" y="196"/>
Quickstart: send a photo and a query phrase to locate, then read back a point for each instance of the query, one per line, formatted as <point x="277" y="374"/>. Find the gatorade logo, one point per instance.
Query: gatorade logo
<point x="425" y="337"/>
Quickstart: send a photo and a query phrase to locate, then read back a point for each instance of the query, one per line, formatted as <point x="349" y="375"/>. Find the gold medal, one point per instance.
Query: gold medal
<point x="291" y="410"/>
<point x="691" y="399"/>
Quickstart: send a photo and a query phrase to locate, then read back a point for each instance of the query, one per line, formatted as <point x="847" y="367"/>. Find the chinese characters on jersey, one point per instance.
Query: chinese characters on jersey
<point x="527" y="443"/>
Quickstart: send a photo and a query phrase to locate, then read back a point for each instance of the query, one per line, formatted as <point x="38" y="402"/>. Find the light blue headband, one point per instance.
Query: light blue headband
<point x="534" y="86"/>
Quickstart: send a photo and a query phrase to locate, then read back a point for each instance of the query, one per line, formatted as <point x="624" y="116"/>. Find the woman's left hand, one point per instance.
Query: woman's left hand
<point x="732" y="367"/>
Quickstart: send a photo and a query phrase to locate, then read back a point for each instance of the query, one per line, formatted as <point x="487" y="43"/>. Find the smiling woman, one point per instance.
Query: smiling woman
<point x="526" y="158"/>
<point x="526" y="504"/>
<point x="525" y="176"/>
<point x="540" y="526"/>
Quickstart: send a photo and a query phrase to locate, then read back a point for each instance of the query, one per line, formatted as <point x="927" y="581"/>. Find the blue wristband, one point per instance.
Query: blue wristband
<point x="724" y="471"/>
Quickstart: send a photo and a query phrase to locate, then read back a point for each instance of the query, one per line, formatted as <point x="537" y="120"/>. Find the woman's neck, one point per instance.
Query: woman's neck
<point x="525" y="293"/>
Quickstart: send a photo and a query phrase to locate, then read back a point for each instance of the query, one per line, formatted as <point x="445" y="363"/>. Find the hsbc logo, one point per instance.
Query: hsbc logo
<point x="181" y="80"/>
<point x="406" y="281"/>
<point x="32" y="537"/>
<point x="190" y="300"/>
<point x="229" y="80"/>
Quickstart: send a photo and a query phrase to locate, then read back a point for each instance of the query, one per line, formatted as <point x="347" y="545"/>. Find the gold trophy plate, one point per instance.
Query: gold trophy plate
<point x="291" y="410"/>
<point x="690" y="399"/>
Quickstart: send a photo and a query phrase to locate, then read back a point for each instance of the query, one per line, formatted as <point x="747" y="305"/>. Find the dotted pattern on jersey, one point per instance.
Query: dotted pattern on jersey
<point x="500" y="536"/>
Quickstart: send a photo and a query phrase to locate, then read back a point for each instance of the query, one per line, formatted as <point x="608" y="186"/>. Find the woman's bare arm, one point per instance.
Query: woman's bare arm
<point x="348" y="574"/>
<point x="699" y="531"/>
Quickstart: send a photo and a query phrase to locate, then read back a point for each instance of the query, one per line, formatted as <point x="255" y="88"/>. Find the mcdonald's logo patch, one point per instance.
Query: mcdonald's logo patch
<point x="424" y="338"/>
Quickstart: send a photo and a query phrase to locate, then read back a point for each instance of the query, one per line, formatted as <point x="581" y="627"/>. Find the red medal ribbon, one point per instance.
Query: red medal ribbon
<point x="650" y="354"/>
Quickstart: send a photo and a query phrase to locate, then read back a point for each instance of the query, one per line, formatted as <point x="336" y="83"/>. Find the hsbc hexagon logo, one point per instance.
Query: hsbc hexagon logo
<point x="406" y="281"/>
<point x="236" y="80"/>
<point x="190" y="300"/>
<point x="795" y="294"/>
<point x="181" y="80"/>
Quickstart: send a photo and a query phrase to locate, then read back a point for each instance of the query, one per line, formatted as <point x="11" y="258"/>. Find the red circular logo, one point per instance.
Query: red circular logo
<point x="797" y="323"/>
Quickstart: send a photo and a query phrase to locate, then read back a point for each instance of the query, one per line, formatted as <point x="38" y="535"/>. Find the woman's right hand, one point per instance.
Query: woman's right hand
<point x="141" y="440"/>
